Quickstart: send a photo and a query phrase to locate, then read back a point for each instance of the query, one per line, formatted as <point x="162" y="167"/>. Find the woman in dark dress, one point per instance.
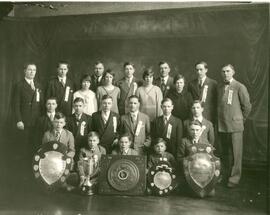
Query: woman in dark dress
<point x="181" y="98"/>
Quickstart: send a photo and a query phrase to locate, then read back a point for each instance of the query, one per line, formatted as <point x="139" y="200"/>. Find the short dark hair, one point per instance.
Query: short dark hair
<point x="134" y="97"/>
<point x="106" y="96"/>
<point x="159" y="140"/>
<point x="128" y="63"/>
<point x="163" y="62"/>
<point x="197" y="102"/>
<point x="229" y="65"/>
<point x="147" y="72"/>
<point x="93" y="134"/>
<point x="98" y="62"/>
<point x="63" y="62"/>
<point x="59" y="115"/>
<point x="85" y="77"/>
<point x="25" y="65"/>
<point x="178" y="77"/>
<point x="78" y="99"/>
<point x="195" y="122"/>
<point x="128" y="135"/>
<point x="51" y="98"/>
<point x="166" y="99"/>
<point x="203" y="63"/>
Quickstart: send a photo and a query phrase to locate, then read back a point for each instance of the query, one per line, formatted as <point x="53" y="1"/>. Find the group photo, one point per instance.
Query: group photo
<point x="134" y="107"/>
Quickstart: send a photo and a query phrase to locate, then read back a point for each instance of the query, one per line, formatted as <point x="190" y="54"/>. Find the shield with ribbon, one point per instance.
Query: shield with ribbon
<point x="162" y="178"/>
<point x="201" y="169"/>
<point x="51" y="164"/>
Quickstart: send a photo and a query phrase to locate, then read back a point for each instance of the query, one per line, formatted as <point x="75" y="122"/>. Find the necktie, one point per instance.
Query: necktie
<point x="165" y="120"/>
<point x="200" y="83"/>
<point x="57" y="135"/>
<point x="32" y="85"/>
<point x="133" y="118"/>
<point x="163" y="85"/>
<point x="62" y="82"/>
<point x="51" y="116"/>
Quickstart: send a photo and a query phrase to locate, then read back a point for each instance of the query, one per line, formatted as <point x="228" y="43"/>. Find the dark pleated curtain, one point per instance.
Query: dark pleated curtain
<point x="182" y="37"/>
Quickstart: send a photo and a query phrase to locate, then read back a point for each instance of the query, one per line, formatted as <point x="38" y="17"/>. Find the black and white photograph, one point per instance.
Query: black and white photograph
<point x="134" y="107"/>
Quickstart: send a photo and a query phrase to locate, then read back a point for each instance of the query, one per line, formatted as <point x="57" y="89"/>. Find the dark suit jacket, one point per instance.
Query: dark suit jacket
<point x="43" y="124"/>
<point x="125" y="92"/>
<point x="143" y="138"/>
<point x="231" y="117"/>
<point x="169" y="85"/>
<point x="56" y="89"/>
<point x="208" y="133"/>
<point x="181" y="103"/>
<point x="210" y="104"/>
<point x="84" y="122"/>
<point x="158" y="129"/>
<point x="184" y="148"/>
<point x="94" y="83"/>
<point x="154" y="159"/>
<point x="130" y="152"/>
<point x="106" y="131"/>
<point x="27" y="108"/>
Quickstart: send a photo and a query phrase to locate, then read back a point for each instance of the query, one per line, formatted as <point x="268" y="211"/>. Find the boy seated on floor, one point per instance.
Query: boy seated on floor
<point x="194" y="137"/>
<point x="124" y="146"/>
<point x="160" y="152"/>
<point x="88" y="163"/>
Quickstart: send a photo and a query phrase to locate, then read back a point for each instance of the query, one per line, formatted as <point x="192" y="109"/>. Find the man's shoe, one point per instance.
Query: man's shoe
<point x="231" y="185"/>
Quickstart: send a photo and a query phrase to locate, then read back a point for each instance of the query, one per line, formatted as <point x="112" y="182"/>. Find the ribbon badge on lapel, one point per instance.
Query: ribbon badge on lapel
<point x="83" y="124"/>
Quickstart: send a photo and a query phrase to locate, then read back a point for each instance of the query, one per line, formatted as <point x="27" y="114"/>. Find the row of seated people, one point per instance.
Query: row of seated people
<point x="124" y="146"/>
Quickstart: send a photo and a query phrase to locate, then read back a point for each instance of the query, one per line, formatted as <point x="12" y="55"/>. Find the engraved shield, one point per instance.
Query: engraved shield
<point x="51" y="165"/>
<point x="162" y="178"/>
<point x="201" y="169"/>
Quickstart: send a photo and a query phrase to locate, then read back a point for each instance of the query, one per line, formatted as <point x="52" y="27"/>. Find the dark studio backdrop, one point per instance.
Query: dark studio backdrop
<point x="237" y="35"/>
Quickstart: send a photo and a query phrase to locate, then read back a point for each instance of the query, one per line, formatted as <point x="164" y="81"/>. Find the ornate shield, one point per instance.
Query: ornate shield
<point x="162" y="178"/>
<point x="201" y="169"/>
<point x="122" y="174"/>
<point x="51" y="165"/>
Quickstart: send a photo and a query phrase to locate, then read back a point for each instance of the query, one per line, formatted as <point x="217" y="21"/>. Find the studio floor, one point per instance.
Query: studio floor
<point x="19" y="194"/>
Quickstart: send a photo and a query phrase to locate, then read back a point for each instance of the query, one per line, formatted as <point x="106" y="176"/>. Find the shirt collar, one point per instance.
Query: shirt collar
<point x="165" y="79"/>
<point x="167" y="117"/>
<point x="202" y="80"/>
<point x="200" y="118"/>
<point x="28" y="80"/>
<point x="62" y="78"/>
<point x="106" y="114"/>
<point x="134" y="113"/>
<point x="49" y="113"/>
<point x="78" y="116"/>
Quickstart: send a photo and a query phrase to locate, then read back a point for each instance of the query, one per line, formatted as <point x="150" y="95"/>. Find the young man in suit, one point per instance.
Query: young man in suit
<point x="96" y="78"/>
<point x="128" y="86"/>
<point x="165" y="81"/>
<point x="168" y="127"/>
<point x="233" y="109"/>
<point x="204" y="89"/>
<point x="207" y="132"/>
<point x="58" y="133"/>
<point x="80" y="124"/>
<point x="138" y="125"/>
<point x="62" y="88"/>
<point x="124" y="146"/>
<point x="28" y="100"/>
<point x="44" y="122"/>
<point x="106" y="123"/>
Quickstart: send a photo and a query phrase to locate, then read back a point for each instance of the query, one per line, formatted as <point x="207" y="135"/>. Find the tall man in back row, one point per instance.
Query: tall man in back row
<point x="62" y="88"/>
<point x="233" y="109"/>
<point x="204" y="89"/>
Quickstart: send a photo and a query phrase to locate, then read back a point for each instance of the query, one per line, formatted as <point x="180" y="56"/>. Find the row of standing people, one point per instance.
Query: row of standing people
<point x="226" y="105"/>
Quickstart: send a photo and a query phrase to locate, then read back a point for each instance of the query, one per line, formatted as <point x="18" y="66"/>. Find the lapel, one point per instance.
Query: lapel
<point x="28" y="88"/>
<point x="108" y="121"/>
<point x="160" y="125"/>
<point x="129" y="122"/>
<point x="100" y="120"/>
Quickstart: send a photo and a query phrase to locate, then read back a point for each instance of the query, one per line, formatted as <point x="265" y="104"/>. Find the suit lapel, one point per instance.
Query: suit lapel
<point x="130" y="124"/>
<point x="101" y="122"/>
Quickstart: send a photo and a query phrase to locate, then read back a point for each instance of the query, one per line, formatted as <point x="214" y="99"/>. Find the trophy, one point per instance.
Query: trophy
<point x="88" y="184"/>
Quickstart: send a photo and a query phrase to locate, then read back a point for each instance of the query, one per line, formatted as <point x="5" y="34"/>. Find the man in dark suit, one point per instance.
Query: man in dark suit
<point x="62" y="88"/>
<point x="79" y="124"/>
<point x="204" y="89"/>
<point x="138" y="125"/>
<point x="44" y="122"/>
<point x="207" y="132"/>
<point x="165" y="81"/>
<point x="128" y="86"/>
<point x="28" y="100"/>
<point x="96" y="78"/>
<point x="168" y="127"/>
<point x="106" y="123"/>
<point x="233" y="109"/>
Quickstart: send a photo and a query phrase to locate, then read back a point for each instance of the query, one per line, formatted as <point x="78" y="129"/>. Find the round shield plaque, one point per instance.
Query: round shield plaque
<point x="162" y="178"/>
<point x="51" y="165"/>
<point x="123" y="175"/>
